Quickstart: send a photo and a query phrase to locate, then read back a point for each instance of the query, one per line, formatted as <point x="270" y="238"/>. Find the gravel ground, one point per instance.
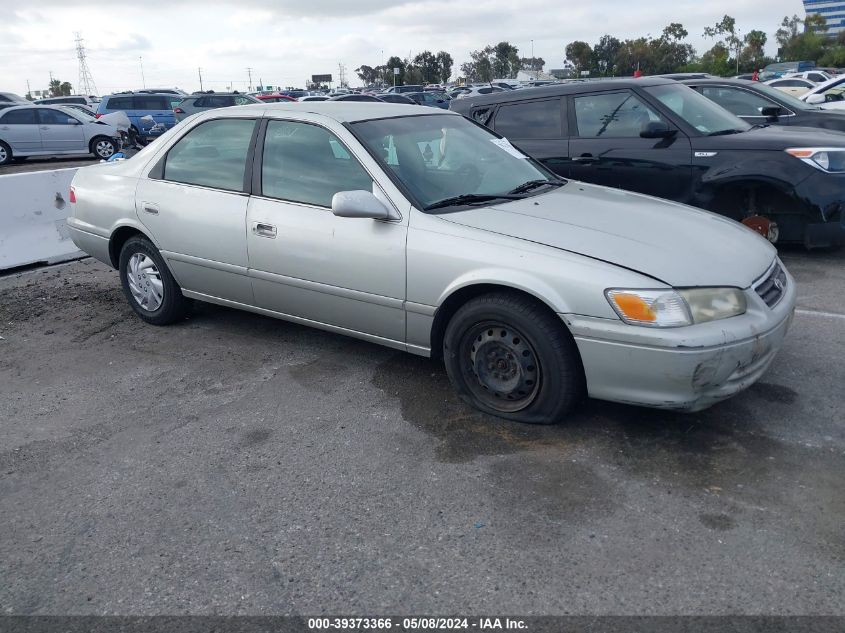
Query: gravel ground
<point x="234" y="464"/>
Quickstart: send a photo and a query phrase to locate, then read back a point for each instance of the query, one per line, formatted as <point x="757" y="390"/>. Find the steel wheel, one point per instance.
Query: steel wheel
<point x="144" y="281"/>
<point x="104" y="148"/>
<point x="501" y="365"/>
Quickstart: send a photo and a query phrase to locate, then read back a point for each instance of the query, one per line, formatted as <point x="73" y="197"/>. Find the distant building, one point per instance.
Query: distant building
<point x="833" y="12"/>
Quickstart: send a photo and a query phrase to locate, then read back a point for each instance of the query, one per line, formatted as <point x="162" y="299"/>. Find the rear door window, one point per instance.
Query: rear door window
<point x="151" y="102"/>
<point x="529" y="119"/>
<point x="19" y="117"/>
<point x="120" y="103"/>
<point x="213" y="154"/>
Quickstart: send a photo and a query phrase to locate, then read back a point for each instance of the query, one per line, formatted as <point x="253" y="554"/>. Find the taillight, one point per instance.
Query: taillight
<point x="178" y="111"/>
<point x="98" y="115"/>
<point x="72" y="195"/>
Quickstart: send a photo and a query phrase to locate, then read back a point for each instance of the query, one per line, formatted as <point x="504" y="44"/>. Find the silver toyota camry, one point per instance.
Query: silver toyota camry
<point x="426" y="232"/>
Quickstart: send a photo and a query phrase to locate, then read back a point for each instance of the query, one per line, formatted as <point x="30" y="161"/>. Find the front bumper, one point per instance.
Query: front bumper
<point x="688" y="368"/>
<point x="824" y="197"/>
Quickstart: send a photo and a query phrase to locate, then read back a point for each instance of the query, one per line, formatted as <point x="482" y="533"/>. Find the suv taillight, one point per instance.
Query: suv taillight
<point x="98" y="115"/>
<point x="178" y="111"/>
<point x="72" y="196"/>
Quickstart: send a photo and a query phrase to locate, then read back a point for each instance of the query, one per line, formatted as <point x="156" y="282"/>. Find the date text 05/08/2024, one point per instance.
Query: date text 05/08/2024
<point x="416" y="624"/>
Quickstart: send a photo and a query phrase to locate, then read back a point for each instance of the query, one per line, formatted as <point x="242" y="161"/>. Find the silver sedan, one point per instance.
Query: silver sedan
<point x="422" y="231"/>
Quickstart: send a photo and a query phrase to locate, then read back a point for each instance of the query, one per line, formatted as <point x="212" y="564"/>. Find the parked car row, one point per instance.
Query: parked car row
<point x="41" y="130"/>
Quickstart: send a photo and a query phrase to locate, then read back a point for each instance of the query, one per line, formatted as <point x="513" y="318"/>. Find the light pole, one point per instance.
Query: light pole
<point x="143" y="81"/>
<point x="533" y="66"/>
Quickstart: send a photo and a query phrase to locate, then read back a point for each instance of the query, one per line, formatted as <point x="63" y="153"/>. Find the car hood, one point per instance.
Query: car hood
<point x="670" y="242"/>
<point x="774" y="137"/>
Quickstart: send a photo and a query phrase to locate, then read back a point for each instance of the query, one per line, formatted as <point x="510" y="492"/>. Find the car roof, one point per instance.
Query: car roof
<point x="573" y="87"/>
<point x="340" y="111"/>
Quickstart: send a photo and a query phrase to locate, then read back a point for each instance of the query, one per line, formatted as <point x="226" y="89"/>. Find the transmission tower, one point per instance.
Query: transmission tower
<point x="86" y="84"/>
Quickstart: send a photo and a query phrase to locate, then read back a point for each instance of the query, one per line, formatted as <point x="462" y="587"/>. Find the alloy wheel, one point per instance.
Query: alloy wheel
<point x="145" y="282"/>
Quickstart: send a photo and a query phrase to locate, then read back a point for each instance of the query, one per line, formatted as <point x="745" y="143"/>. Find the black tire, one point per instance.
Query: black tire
<point x="19" y="159"/>
<point x="103" y="147"/>
<point x="5" y="154"/>
<point x="508" y="355"/>
<point x="173" y="305"/>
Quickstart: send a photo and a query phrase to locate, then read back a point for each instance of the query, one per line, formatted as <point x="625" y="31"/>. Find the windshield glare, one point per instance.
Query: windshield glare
<point x="443" y="156"/>
<point x="704" y="115"/>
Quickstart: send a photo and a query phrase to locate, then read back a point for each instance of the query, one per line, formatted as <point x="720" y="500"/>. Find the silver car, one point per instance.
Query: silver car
<point x="191" y="104"/>
<point x="422" y="231"/>
<point x="53" y="131"/>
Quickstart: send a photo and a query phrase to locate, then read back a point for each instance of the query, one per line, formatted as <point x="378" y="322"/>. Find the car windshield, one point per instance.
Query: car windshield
<point x="697" y="110"/>
<point x="442" y="157"/>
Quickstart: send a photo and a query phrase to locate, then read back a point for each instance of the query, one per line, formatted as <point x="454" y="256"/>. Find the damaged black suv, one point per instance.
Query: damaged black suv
<point x="661" y="138"/>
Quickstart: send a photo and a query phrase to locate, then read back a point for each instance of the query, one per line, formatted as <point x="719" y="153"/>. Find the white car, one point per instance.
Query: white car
<point x="816" y="76"/>
<point x="34" y="130"/>
<point x="829" y="95"/>
<point x="796" y="86"/>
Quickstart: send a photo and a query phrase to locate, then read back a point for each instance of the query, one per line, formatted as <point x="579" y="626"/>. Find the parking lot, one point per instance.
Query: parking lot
<point x="237" y="464"/>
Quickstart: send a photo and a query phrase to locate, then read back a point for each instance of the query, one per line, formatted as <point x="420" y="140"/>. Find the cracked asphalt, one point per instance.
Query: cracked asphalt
<point x="234" y="464"/>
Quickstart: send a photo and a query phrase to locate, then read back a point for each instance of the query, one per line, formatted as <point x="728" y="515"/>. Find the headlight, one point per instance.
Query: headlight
<point x="829" y="159"/>
<point x="675" y="308"/>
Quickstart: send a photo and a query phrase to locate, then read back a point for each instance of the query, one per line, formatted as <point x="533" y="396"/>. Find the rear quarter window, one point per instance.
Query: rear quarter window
<point x="119" y="103"/>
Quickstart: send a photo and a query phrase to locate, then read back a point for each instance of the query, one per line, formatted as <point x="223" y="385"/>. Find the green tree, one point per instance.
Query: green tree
<point x="579" y="54"/>
<point x="480" y="66"/>
<point x="532" y="64"/>
<point x="505" y="60"/>
<point x="395" y="62"/>
<point x="444" y="66"/>
<point x="367" y="74"/>
<point x="605" y="53"/>
<point x="428" y="66"/>
<point x="726" y="30"/>
<point x="753" y="53"/>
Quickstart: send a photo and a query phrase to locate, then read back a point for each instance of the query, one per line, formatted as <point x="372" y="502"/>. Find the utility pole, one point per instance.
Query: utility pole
<point x="249" y="72"/>
<point x="199" y="72"/>
<point x="28" y="91"/>
<point x="143" y="81"/>
<point x="533" y="65"/>
<point x="86" y="84"/>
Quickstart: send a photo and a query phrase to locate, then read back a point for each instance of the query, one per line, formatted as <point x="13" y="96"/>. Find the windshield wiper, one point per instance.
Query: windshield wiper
<point x="470" y="198"/>
<point x="533" y="184"/>
<point x="725" y="132"/>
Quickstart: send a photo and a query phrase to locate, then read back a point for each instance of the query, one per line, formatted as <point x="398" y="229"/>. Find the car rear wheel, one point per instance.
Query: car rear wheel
<point x="508" y="355"/>
<point x="149" y="287"/>
<point x="5" y="154"/>
<point x="103" y="147"/>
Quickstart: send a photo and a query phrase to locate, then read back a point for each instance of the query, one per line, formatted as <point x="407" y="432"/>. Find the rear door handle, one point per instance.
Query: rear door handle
<point x="44" y="127"/>
<point x="264" y="230"/>
<point x="150" y="208"/>
<point x="585" y="158"/>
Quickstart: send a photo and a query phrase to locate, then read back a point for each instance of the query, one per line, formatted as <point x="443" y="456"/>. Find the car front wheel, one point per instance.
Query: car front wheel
<point x="103" y="147"/>
<point x="508" y="355"/>
<point x="148" y="285"/>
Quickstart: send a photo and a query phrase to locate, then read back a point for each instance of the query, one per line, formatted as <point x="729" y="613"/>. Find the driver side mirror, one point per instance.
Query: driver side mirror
<point x="360" y="204"/>
<point x="771" y="113"/>
<point x="72" y="121"/>
<point x="657" y="129"/>
<point x="815" y="99"/>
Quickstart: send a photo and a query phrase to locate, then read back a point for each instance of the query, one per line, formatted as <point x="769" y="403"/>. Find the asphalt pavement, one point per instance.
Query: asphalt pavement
<point x="235" y="464"/>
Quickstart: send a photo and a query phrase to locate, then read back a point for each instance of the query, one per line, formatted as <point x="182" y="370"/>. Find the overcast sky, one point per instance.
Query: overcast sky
<point x="285" y="41"/>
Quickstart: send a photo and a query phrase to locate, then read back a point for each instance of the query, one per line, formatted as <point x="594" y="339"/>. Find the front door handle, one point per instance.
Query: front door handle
<point x="262" y="229"/>
<point x="585" y="158"/>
